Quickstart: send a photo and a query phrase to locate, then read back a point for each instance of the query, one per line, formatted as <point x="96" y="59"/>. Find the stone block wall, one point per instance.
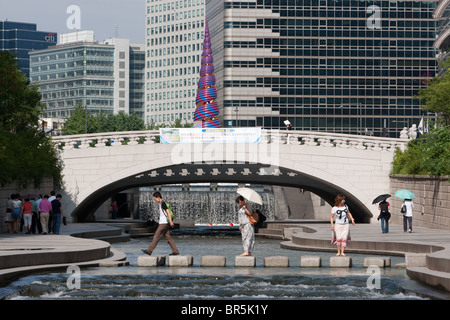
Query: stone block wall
<point x="431" y="204"/>
<point x="5" y="193"/>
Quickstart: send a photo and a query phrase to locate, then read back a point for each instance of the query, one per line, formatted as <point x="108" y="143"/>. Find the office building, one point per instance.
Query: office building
<point x="20" y="38"/>
<point x="105" y="76"/>
<point x="174" y="37"/>
<point x="343" y="66"/>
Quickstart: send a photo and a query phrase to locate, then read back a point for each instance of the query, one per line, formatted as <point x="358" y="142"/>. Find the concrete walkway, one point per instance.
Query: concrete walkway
<point x="21" y="254"/>
<point x="427" y="251"/>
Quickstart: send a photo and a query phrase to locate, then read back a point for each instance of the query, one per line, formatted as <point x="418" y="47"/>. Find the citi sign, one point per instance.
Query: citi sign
<point x="50" y="37"/>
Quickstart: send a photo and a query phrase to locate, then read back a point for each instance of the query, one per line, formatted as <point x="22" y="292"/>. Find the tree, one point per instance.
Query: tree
<point x="81" y="122"/>
<point x="26" y="154"/>
<point x="437" y="95"/>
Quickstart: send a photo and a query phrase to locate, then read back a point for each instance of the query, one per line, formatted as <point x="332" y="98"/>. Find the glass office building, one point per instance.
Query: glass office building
<point x="174" y="40"/>
<point x="20" y="38"/>
<point x="74" y="74"/>
<point x="343" y="66"/>
<point x="107" y="76"/>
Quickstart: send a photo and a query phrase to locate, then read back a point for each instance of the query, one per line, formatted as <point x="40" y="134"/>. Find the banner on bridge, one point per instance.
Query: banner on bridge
<point x="210" y="135"/>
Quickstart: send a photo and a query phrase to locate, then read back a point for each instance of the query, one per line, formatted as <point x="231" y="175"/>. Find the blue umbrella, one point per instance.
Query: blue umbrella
<point x="404" y="194"/>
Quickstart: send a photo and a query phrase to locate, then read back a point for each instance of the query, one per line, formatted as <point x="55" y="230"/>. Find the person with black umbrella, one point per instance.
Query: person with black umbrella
<point x="384" y="215"/>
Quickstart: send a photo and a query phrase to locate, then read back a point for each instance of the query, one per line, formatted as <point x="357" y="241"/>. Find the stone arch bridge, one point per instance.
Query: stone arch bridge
<point x="97" y="166"/>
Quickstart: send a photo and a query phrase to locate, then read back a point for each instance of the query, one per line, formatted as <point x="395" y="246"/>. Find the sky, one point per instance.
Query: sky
<point x="107" y="18"/>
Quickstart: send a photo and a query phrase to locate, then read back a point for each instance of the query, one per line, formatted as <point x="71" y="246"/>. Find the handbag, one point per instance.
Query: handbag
<point x="253" y="218"/>
<point x="403" y="209"/>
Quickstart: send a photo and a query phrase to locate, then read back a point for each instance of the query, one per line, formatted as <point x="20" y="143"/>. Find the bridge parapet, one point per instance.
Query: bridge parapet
<point x="309" y="138"/>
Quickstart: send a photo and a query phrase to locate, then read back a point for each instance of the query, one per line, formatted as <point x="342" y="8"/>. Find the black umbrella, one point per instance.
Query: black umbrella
<point x="380" y="198"/>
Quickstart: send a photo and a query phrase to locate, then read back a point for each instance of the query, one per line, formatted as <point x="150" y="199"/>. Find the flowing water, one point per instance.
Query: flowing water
<point x="201" y="205"/>
<point x="194" y="283"/>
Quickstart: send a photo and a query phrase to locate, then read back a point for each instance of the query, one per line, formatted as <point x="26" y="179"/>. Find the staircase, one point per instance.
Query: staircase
<point x="114" y="234"/>
<point x="283" y="229"/>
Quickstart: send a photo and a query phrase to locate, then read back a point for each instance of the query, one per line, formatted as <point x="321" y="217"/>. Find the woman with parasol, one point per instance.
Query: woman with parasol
<point x="245" y="210"/>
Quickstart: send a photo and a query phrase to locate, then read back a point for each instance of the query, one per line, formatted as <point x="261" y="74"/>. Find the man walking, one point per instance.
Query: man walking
<point x="44" y="207"/>
<point x="163" y="230"/>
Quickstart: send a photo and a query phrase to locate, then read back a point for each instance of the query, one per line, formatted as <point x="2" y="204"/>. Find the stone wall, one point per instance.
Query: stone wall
<point x="5" y="193"/>
<point x="431" y="204"/>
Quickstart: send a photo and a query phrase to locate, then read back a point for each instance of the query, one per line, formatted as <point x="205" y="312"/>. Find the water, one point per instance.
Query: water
<point x="201" y="205"/>
<point x="200" y="283"/>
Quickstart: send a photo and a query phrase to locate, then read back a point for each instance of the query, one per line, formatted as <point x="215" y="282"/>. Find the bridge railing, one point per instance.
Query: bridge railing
<point x="297" y="137"/>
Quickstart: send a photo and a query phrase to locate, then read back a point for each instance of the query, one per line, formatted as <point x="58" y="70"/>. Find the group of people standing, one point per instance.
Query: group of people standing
<point x="43" y="214"/>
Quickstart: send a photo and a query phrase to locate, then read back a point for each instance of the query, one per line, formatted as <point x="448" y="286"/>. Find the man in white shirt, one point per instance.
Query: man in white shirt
<point x="163" y="230"/>
<point x="407" y="216"/>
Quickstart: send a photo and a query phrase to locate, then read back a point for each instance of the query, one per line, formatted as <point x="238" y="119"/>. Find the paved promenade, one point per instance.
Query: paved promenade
<point x="22" y="254"/>
<point x="427" y="251"/>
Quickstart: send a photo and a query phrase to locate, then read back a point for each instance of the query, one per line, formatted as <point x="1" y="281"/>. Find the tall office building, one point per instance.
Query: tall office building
<point x="442" y="15"/>
<point x="20" y="38"/>
<point x="174" y="37"/>
<point x="107" y="76"/>
<point x="344" y="66"/>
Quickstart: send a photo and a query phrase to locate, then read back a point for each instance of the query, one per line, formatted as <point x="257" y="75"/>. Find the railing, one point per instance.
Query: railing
<point x="307" y="138"/>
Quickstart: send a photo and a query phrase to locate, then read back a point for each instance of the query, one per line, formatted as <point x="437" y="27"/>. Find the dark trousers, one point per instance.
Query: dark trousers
<point x="407" y="220"/>
<point x="163" y="230"/>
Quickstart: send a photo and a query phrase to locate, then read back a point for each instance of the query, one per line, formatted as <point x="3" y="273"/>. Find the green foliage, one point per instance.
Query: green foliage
<point x="430" y="154"/>
<point x="436" y="95"/>
<point x="81" y="122"/>
<point x="26" y="154"/>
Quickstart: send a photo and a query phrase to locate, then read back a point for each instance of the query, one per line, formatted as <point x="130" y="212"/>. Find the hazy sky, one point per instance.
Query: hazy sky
<point x="107" y="18"/>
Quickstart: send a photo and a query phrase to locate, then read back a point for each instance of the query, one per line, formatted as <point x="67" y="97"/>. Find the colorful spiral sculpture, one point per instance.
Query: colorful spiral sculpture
<point x="207" y="111"/>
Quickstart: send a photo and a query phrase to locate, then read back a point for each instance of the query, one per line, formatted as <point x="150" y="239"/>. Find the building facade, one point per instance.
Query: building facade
<point x="20" y="38"/>
<point x="344" y="66"/>
<point x="98" y="76"/>
<point x="174" y="37"/>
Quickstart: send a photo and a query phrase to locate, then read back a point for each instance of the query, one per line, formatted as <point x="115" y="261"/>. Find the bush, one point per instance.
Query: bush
<point x="429" y="154"/>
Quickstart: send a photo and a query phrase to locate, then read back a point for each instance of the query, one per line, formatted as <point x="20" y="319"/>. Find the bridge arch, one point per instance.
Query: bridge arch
<point x="256" y="173"/>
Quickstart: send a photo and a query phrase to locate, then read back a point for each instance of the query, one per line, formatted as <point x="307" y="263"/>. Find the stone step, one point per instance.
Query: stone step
<point x="213" y="261"/>
<point x="124" y="237"/>
<point x="248" y="261"/>
<point x="381" y="262"/>
<point x="276" y="261"/>
<point x="181" y="261"/>
<point x="151" y="261"/>
<point x="340" y="262"/>
<point x="310" y="261"/>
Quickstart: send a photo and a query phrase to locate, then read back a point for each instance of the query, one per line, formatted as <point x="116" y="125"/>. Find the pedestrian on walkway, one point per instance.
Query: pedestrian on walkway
<point x="407" y="216"/>
<point x="16" y="211"/>
<point x="341" y="229"/>
<point x="50" y="217"/>
<point x="27" y="215"/>
<point x="57" y="214"/>
<point x="163" y="230"/>
<point x="246" y="228"/>
<point x="384" y="215"/>
<point x="44" y="207"/>
<point x="35" y="220"/>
